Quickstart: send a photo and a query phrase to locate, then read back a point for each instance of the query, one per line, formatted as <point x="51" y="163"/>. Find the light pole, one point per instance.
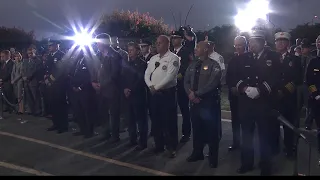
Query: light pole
<point x="313" y="19"/>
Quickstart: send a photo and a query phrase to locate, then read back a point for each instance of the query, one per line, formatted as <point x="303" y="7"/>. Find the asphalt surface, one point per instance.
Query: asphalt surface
<point x="26" y="148"/>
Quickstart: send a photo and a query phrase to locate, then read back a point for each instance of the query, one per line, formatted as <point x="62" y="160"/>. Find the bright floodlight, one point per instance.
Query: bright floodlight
<point x="83" y="39"/>
<point x="247" y="18"/>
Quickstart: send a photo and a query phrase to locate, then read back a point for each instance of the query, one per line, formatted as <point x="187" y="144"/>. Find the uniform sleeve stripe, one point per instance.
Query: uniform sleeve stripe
<point x="267" y="86"/>
<point x="238" y="84"/>
<point x="52" y="78"/>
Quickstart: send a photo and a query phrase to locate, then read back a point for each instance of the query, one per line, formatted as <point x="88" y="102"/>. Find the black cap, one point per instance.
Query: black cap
<point x="144" y="42"/>
<point x="177" y="34"/>
<point x="306" y="43"/>
<point x="53" y="42"/>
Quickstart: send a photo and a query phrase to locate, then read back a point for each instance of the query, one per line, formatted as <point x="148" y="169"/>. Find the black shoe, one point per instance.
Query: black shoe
<point x="106" y="137"/>
<point x="60" y="131"/>
<point x="308" y="128"/>
<point x="233" y="147"/>
<point x="140" y="148"/>
<point x="184" y="139"/>
<point x="244" y="169"/>
<point x="114" y="140"/>
<point x="194" y="158"/>
<point x="172" y="154"/>
<point x="158" y="150"/>
<point x="213" y="165"/>
<point x="78" y="133"/>
<point x="52" y="128"/>
<point x="132" y="144"/>
<point x="87" y="136"/>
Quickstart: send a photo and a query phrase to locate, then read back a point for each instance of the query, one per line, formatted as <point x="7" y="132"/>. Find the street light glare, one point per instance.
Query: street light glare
<point x="247" y="18"/>
<point x="82" y="39"/>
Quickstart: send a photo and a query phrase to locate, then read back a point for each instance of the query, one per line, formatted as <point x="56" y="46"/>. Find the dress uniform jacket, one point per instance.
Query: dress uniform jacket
<point x="51" y="64"/>
<point x="262" y="73"/>
<point x="184" y="54"/>
<point x="313" y="77"/>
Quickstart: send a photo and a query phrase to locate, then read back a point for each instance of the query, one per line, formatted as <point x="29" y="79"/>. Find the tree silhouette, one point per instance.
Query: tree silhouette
<point x="14" y="37"/>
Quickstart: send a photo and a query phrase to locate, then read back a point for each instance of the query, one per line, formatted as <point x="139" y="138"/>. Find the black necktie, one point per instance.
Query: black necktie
<point x="197" y="76"/>
<point x="256" y="56"/>
<point x="175" y="51"/>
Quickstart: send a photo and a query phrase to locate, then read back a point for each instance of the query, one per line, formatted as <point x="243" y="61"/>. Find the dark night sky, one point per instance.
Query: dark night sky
<point x="288" y="13"/>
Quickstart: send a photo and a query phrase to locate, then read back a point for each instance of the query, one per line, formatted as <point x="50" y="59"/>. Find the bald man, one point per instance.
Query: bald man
<point x="240" y="45"/>
<point x="161" y="78"/>
<point x="202" y="81"/>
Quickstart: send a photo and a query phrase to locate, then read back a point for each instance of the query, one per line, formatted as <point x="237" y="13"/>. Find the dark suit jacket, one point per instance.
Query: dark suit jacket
<point x="6" y="70"/>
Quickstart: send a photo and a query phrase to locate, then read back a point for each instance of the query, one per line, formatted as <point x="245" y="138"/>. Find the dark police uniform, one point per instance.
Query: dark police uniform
<point x="57" y="87"/>
<point x="162" y="74"/>
<point x="108" y="74"/>
<point x="183" y="101"/>
<point x="233" y="99"/>
<point x="135" y="104"/>
<point x="260" y="72"/>
<point x="83" y="97"/>
<point x="313" y="82"/>
<point x="291" y="78"/>
<point x="203" y="78"/>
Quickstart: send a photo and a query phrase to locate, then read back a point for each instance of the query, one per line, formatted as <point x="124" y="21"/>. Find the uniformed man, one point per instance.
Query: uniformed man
<point x="291" y="78"/>
<point x="83" y="96"/>
<point x="240" y="45"/>
<point x="313" y="82"/>
<point x="303" y="90"/>
<point x="134" y="90"/>
<point x="31" y="68"/>
<point x="105" y="81"/>
<point x="161" y="78"/>
<point x="316" y="52"/>
<point x="298" y="43"/>
<point x="201" y="82"/>
<point x="184" y="53"/>
<point x="145" y="47"/>
<point x="146" y="55"/>
<point x="56" y="83"/>
<point x="5" y="79"/>
<point x="256" y="80"/>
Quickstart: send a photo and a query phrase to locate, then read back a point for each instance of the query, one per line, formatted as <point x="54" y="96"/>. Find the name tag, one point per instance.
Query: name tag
<point x="247" y="66"/>
<point x="205" y="68"/>
<point x="84" y="68"/>
<point x="316" y="70"/>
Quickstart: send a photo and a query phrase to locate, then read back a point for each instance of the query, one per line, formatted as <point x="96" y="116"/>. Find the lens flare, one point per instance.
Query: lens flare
<point x="82" y="39"/>
<point x="247" y="18"/>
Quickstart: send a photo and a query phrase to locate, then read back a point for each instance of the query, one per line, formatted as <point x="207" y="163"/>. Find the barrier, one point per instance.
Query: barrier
<point x="4" y="98"/>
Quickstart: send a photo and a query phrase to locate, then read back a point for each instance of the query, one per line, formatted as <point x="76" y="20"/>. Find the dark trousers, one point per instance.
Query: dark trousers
<point x="109" y="114"/>
<point x="315" y="105"/>
<point x="47" y="100"/>
<point x="309" y="114"/>
<point x="255" y="112"/>
<point x="150" y="110"/>
<point x="235" y="121"/>
<point x="136" y="114"/>
<point x="58" y="105"/>
<point x="165" y="120"/>
<point x="183" y="102"/>
<point x="206" y="127"/>
<point x="84" y="110"/>
<point x="33" y="97"/>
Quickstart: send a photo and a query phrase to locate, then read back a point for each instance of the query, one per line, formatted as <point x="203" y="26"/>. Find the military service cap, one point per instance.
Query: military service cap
<point x="144" y="43"/>
<point x="282" y="35"/>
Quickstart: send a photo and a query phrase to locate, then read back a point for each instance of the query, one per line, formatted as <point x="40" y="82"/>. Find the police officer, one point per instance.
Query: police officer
<point x="83" y="96"/>
<point x="134" y="90"/>
<point x="201" y="82"/>
<point x="240" y="45"/>
<point x="56" y="83"/>
<point x="161" y="78"/>
<point x="145" y="47"/>
<point x="291" y="78"/>
<point x="184" y="53"/>
<point x="313" y="82"/>
<point x="105" y="81"/>
<point x="256" y="79"/>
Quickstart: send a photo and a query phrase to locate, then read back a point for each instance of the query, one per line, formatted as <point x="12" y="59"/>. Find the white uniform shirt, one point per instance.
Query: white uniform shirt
<point x="165" y="75"/>
<point x="217" y="57"/>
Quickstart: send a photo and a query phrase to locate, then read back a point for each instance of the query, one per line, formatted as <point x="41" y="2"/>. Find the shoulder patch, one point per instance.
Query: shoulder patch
<point x="176" y="63"/>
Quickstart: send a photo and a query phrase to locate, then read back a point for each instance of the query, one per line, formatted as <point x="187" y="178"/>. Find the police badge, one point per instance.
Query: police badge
<point x="164" y="67"/>
<point x="269" y="63"/>
<point x="290" y="63"/>
<point x="55" y="60"/>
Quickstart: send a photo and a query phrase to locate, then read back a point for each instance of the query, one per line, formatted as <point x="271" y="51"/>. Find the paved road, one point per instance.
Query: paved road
<point x="27" y="149"/>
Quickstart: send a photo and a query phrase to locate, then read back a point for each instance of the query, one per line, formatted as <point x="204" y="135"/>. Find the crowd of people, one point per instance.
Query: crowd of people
<point x="102" y="85"/>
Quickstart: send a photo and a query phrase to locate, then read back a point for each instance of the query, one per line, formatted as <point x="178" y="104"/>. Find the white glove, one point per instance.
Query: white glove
<point x="317" y="97"/>
<point x="252" y="92"/>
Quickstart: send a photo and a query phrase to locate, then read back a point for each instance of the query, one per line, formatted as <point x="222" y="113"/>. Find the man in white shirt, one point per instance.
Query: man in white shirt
<point x="216" y="56"/>
<point x="161" y="78"/>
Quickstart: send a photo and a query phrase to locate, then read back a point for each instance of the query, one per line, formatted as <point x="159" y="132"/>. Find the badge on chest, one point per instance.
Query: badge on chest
<point x="269" y="63"/>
